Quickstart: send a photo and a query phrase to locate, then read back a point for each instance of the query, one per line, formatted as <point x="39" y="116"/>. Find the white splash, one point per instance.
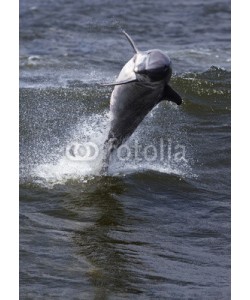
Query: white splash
<point x="61" y="167"/>
<point x="69" y="162"/>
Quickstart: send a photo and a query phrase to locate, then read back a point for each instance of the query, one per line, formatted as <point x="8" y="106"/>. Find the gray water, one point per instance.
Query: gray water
<point x="158" y="226"/>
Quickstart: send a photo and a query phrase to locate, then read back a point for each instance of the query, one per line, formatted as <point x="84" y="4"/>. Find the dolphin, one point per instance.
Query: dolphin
<point x="142" y="83"/>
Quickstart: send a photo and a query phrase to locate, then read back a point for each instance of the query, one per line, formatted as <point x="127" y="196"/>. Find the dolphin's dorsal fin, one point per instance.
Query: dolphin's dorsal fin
<point x="119" y="82"/>
<point x="130" y="41"/>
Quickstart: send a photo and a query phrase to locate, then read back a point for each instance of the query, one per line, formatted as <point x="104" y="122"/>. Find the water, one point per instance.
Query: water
<point x="158" y="226"/>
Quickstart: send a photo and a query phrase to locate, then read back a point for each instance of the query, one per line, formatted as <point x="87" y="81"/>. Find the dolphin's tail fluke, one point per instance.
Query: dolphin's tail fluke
<point x="130" y="41"/>
<point x="108" y="148"/>
<point x="110" y="145"/>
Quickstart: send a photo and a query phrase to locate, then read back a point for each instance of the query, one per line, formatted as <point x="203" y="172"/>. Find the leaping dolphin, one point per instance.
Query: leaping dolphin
<point x="141" y="85"/>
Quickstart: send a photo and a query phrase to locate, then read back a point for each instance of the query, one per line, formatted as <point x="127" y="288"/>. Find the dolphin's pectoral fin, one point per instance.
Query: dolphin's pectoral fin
<point x="171" y="95"/>
<point x="119" y="82"/>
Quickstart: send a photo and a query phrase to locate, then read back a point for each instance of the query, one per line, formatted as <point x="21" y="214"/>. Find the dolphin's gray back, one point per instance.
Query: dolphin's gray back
<point x="130" y="103"/>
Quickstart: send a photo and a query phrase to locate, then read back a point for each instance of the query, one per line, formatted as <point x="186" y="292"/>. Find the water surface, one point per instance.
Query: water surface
<point x="153" y="228"/>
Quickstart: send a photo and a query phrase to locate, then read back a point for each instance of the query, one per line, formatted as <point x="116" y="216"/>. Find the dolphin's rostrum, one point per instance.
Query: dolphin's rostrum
<point x="141" y="84"/>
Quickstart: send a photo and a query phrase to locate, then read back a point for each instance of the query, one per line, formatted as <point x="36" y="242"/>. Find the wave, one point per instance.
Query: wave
<point x="207" y="90"/>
